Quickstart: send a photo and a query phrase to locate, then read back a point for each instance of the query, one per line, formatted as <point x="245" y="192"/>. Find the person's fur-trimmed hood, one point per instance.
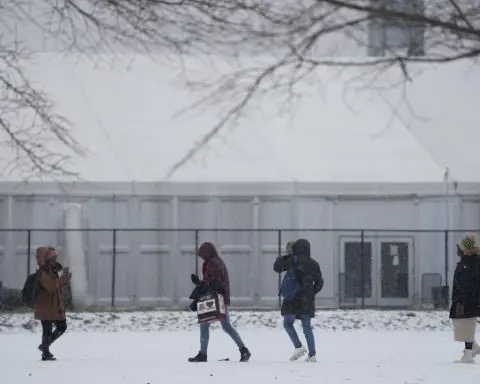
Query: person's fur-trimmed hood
<point x="41" y="254"/>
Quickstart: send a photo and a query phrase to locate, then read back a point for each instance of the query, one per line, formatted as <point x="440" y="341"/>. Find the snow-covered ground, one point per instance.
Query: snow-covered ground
<point x="353" y="347"/>
<point x="363" y="357"/>
<point x="155" y="321"/>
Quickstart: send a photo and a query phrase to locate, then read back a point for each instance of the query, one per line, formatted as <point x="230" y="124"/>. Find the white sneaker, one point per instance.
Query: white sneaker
<point x="311" y="359"/>
<point x="299" y="352"/>
<point x="467" y="357"/>
<point x="476" y="349"/>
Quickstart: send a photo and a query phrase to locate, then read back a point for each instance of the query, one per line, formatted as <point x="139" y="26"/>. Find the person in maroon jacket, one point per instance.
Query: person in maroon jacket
<point x="215" y="278"/>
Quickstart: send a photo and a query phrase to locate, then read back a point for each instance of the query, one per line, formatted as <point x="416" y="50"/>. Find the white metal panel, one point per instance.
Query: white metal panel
<point x="431" y="246"/>
<point x="4" y="216"/>
<point x="237" y="247"/>
<point x="383" y="214"/>
<point x="154" y="259"/>
<point x="318" y="213"/>
<point x="193" y="212"/>
<point x="155" y="280"/>
<point x="123" y="289"/>
<point x="470" y="215"/>
<point x="274" y="213"/>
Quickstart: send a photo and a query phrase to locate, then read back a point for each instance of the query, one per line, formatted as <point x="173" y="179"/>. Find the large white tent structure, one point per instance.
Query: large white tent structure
<point x="126" y="115"/>
<point x="352" y="157"/>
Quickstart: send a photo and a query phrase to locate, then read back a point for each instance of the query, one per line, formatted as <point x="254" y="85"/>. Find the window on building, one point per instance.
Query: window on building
<point x="386" y="37"/>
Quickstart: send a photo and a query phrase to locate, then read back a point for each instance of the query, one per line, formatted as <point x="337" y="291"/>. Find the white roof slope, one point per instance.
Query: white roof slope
<point x="125" y="117"/>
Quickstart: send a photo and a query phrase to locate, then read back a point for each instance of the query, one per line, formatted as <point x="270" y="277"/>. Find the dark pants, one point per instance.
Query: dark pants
<point x="49" y="335"/>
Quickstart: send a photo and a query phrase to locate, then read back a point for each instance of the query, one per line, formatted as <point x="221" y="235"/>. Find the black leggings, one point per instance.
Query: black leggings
<point x="49" y="335"/>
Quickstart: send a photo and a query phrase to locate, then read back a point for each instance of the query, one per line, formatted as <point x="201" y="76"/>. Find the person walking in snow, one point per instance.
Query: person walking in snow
<point x="302" y="282"/>
<point x="49" y="304"/>
<point x="215" y="279"/>
<point x="465" y="306"/>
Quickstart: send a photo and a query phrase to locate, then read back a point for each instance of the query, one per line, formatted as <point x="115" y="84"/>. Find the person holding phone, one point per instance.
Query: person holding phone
<point x="49" y="303"/>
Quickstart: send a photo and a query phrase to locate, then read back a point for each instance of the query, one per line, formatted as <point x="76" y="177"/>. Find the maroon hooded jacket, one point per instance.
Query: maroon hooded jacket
<point x="214" y="270"/>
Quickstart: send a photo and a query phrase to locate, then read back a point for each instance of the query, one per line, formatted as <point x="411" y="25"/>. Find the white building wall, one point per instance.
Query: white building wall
<point x="153" y="267"/>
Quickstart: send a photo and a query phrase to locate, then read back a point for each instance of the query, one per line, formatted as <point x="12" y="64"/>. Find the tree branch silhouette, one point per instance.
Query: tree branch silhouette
<point x="442" y="32"/>
<point x="267" y="48"/>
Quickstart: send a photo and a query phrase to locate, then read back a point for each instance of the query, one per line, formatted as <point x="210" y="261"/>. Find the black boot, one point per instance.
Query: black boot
<point x="46" y="354"/>
<point x="245" y="354"/>
<point x="200" y="358"/>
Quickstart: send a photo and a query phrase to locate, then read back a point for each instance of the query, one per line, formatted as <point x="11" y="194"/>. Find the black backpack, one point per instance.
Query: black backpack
<point x="30" y="289"/>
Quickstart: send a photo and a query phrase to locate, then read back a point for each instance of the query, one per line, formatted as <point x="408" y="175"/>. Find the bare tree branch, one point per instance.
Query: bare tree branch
<point x="267" y="48"/>
<point x="439" y="32"/>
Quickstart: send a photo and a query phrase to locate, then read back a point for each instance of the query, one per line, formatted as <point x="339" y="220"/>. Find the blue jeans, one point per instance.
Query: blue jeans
<point x="227" y="328"/>
<point x="288" y="321"/>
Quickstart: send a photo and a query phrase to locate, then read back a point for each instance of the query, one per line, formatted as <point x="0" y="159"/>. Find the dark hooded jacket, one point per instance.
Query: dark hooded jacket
<point x="214" y="271"/>
<point x="309" y="277"/>
<point x="466" y="288"/>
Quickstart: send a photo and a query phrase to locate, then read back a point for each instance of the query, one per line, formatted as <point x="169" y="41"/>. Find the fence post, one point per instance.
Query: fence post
<point x="114" y="265"/>
<point x="196" y="251"/>
<point x="446" y="289"/>
<point x="279" y="275"/>
<point x="362" y="266"/>
<point x="29" y="250"/>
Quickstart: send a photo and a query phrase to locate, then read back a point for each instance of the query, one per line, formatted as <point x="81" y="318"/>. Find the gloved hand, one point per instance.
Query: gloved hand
<point x="57" y="267"/>
<point x="193" y="306"/>
<point x="195" y="279"/>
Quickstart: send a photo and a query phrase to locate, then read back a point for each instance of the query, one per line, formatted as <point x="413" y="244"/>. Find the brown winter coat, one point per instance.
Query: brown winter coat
<point x="49" y="304"/>
<point x="214" y="270"/>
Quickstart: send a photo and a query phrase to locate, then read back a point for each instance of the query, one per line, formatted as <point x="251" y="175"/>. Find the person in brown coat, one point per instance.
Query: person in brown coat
<point x="49" y="305"/>
<point x="215" y="279"/>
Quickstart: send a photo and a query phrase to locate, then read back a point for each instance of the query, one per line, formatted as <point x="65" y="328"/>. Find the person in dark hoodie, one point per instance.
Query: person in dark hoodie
<point x="308" y="278"/>
<point x="215" y="279"/>
<point x="465" y="306"/>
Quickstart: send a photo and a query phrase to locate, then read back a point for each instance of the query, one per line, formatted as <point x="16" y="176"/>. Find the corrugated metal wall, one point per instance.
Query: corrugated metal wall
<point x="153" y="267"/>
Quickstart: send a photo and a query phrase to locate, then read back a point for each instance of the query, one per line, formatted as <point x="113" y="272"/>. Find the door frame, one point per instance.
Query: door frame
<point x="372" y="300"/>
<point x="392" y="301"/>
<point x="376" y="270"/>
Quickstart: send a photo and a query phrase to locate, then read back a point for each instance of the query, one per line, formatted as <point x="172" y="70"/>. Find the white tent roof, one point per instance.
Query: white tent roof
<point x="125" y="118"/>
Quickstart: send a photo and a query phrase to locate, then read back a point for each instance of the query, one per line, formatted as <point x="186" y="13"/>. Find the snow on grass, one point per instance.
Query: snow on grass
<point x="154" y="321"/>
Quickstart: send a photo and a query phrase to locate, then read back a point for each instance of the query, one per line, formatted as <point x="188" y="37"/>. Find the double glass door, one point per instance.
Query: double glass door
<point x="383" y="275"/>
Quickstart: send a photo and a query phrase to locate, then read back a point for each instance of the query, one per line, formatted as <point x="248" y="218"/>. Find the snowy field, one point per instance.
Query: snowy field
<point x="152" y="347"/>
